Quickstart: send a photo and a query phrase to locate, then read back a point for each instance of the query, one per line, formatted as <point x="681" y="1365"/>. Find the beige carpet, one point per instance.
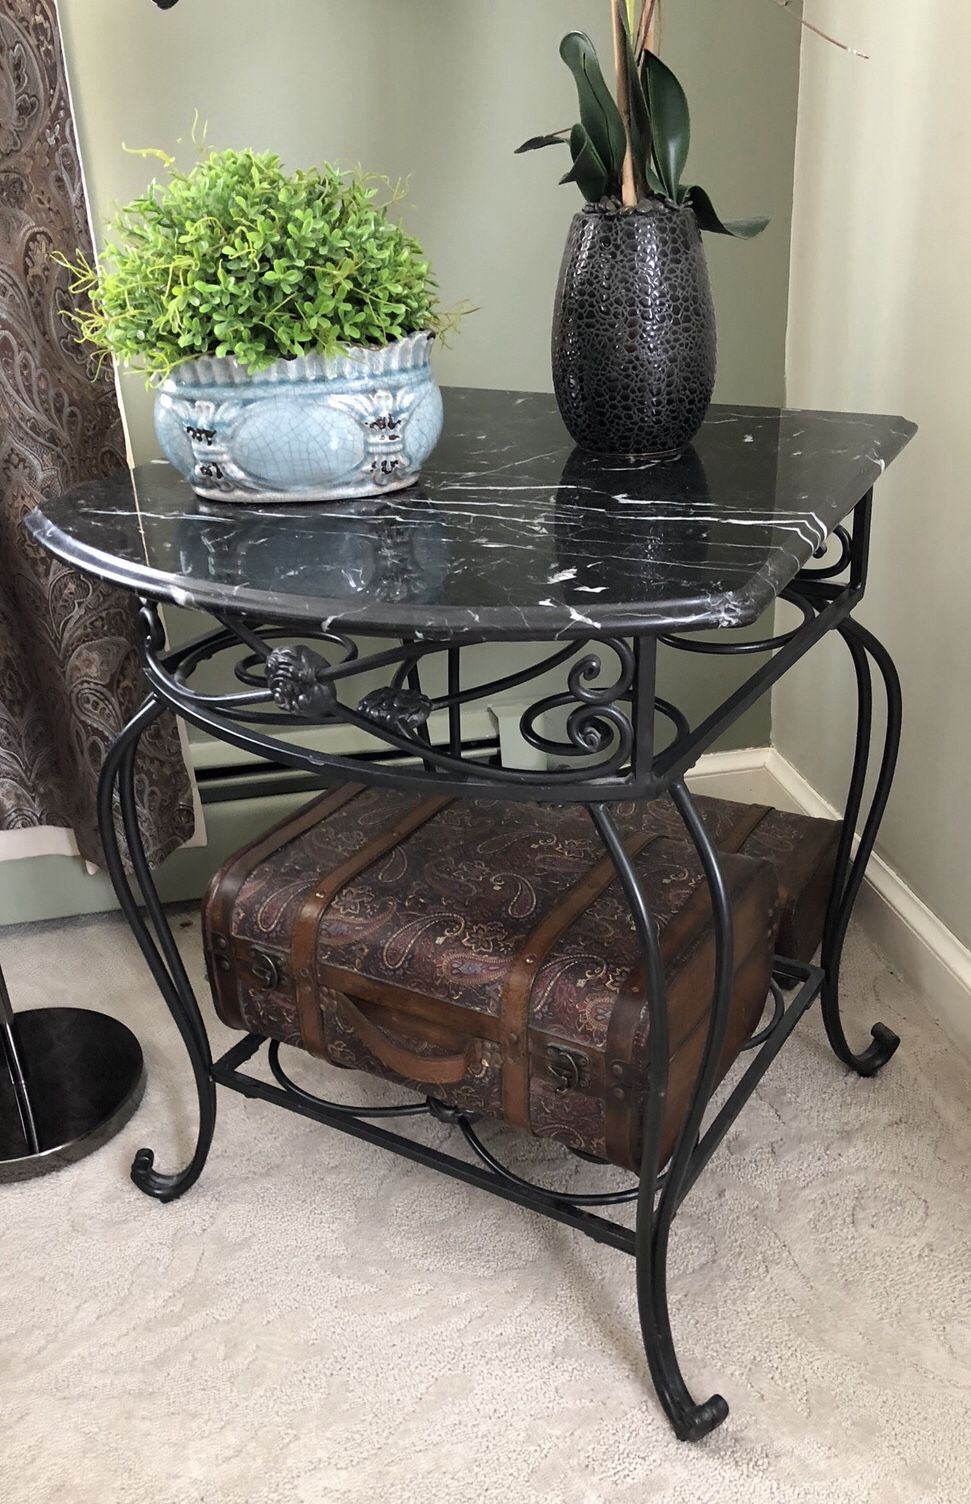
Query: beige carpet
<point x="317" y="1322"/>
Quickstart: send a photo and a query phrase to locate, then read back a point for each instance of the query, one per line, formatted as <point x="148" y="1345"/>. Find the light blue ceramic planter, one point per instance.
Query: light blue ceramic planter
<point x="313" y="429"/>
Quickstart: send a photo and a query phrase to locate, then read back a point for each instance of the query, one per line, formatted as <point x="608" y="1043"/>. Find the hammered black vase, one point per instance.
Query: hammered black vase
<point x="634" y="330"/>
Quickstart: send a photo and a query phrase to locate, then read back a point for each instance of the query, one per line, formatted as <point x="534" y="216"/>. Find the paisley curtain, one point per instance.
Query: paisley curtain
<point x="69" y="675"/>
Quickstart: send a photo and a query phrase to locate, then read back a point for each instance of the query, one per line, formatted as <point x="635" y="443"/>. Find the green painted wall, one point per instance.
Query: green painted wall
<point x="442" y="91"/>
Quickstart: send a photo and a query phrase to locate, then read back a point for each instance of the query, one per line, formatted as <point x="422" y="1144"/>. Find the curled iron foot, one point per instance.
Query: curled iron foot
<point x="876" y="1055"/>
<point x="700" y="1420"/>
<point x="160" y="1187"/>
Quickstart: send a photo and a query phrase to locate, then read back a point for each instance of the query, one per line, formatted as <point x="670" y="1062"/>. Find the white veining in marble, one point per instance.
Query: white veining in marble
<point x="513" y="532"/>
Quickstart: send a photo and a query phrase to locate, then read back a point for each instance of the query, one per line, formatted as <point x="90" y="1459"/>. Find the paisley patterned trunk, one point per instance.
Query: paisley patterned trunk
<point x="483" y="955"/>
<point x="634" y="330"/>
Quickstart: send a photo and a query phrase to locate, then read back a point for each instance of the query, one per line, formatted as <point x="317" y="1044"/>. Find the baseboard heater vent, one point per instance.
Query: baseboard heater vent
<point x="226" y="782"/>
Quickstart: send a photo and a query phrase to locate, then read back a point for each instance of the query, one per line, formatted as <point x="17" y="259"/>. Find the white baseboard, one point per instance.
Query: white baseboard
<point x="914" y="941"/>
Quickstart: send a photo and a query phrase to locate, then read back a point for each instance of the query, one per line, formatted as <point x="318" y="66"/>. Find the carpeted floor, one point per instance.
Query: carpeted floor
<point x="316" y="1322"/>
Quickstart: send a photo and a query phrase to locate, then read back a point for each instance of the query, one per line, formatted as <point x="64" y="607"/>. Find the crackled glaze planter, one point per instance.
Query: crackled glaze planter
<point x="312" y="429"/>
<point x="634" y="330"/>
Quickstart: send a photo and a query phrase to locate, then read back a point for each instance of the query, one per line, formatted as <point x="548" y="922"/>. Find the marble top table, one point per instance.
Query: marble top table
<point x="513" y="533"/>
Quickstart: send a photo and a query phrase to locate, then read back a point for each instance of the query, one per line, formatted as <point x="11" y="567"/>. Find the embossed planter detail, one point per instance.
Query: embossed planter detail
<point x="634" y="330"/>
<point x="311" y="429"/>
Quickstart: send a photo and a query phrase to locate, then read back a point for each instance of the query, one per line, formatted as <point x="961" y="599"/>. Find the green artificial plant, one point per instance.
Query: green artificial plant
<point x="239" y="257"/>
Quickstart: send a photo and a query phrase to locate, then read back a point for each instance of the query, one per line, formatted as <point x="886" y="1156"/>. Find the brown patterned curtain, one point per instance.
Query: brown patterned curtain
<point x="69" y="676"/>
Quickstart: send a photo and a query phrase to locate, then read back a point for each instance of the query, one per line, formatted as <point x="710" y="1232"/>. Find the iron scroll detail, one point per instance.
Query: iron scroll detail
<point x="595" y="723"/>
<point x="587" y="734"/>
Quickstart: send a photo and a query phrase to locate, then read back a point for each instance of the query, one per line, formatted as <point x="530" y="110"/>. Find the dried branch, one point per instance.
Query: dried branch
<point x="628" y="186"/>
<point x="649" y="31"/>
<point x="786" y="5"/>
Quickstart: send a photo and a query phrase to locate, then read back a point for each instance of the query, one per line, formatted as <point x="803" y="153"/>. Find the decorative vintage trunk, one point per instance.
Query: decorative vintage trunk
<point x="484" y="956"/>
<point x="634" y="339"/>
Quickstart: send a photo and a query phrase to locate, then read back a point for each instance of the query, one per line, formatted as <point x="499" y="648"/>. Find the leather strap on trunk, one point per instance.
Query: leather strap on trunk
<point x="221" y="899"/>
<point x="742" y="828"/>
<point x="518" y="988"/>
<point x="314" y="907"/>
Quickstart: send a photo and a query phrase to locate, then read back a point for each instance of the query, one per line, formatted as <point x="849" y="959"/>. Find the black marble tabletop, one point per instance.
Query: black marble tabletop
<point x="512" y="533"/>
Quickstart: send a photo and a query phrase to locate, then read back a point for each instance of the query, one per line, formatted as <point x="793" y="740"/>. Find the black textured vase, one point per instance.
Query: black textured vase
<point x="634" y="330"/>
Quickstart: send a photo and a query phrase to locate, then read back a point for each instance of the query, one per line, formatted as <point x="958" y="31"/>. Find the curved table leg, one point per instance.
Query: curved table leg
<point x="690" y="1419"/>
<point x="850" y="871"/>
<point x="159" y="949"/>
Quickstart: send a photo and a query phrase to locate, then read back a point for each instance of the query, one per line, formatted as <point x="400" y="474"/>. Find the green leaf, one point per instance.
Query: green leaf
<point x="704" y="209"/>
<point x="239" y="257"/>
<point x="670" y="121"/>
<point x="654" y="182"/>
<point x="588" y="170"/>
<point x="536" y="143"/>
<point x="599" y="114"/>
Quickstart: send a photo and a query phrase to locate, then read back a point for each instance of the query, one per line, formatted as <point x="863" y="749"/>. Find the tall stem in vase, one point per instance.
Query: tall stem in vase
<point x="628" y="185"/>
<point x="649" y="29"/>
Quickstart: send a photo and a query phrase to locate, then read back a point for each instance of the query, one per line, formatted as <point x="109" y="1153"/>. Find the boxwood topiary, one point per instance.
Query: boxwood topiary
<point x="239" y="257"/>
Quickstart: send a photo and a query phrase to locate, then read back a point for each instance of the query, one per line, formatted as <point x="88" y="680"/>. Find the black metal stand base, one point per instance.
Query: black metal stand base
<point x="83" y="1075"/>
<point x="612" y="722"/>
<point x="567" y="1206"/>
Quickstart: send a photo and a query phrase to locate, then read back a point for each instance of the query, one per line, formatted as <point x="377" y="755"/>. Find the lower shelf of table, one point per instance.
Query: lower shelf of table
<point x="802" y="982"/>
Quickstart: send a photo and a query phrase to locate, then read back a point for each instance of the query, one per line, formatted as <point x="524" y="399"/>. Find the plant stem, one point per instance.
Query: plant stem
<point x="786" y="5"/>
<point x="628" y="188"/>
<point x="649" y="31"/>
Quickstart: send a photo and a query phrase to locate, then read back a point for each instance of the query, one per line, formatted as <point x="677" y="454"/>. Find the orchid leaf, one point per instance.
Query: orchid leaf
<point x="536" y="143"/>
<point x="704" y="209"/>
<point x="670" y="122"/>
<point x="588" y="170"/>
<point x="599" y="114"/>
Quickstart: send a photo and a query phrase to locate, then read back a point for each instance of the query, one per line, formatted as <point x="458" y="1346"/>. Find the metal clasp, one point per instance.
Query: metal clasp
<point x="264" y="970"/>
<point x="569" y="1069"/>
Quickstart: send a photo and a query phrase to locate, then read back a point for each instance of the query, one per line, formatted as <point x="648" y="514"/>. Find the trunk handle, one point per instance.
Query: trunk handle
<point x="437" y="1070"/>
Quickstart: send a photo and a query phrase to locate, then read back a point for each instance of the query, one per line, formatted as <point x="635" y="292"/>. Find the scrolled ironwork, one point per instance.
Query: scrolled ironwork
<point x="844" y="538"/>
<point x="591" y="667"/>
<point x="289" y="683"/>
<point x="761" y="645"/>
<point x="570" y="1198"/>
<point x="153" y="632"/>
<point x="778" y="1013"/>
<point x="590" y="730"/>
<point x="595" y="725"/>
<point x="237" y="720"/>
<point x="246" y="669"/>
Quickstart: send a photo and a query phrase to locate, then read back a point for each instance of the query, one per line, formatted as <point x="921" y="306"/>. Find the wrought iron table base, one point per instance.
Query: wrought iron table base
<point x="568" y="1207"/>
<point x="619" y="761"/>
